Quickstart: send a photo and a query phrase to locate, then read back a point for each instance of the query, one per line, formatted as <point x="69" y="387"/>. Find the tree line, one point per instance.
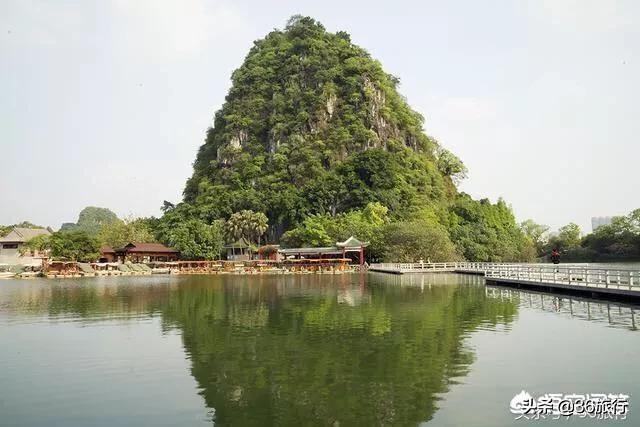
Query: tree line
<point x="618" y="241"/>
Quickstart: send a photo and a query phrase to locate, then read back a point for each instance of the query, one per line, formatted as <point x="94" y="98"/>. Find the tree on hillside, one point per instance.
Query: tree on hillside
<point x="74" y="245"/>
<point x="450" y="165"/>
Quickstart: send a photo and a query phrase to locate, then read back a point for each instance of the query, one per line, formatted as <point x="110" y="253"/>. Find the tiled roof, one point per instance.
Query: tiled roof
<point x="240" y="244"/>
<point x="148" y="247"/>
<point x="19" y="235"/>
<point x="351" y="242"/>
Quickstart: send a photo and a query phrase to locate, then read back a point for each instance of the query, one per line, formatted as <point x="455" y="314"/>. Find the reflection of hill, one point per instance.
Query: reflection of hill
<point x="89" y="299"/>
<point x="288" y="349"/>
<point x="283" y="350"/>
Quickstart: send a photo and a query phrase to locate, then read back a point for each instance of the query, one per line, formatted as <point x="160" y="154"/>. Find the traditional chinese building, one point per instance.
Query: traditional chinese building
<point x="352" y="245"/>
<point x="107" y="254"/>
<point x="344" y="250"/>
<point x="146" y="252"/>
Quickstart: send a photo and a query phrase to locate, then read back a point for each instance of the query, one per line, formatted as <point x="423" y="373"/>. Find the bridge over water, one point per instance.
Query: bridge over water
<point x="584" y="279"/>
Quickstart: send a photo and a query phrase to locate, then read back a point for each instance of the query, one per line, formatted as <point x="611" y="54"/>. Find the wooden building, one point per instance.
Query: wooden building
<point x="107" y="254"/>
<point x="240" y="250"/>
<point x="146" y="252"/>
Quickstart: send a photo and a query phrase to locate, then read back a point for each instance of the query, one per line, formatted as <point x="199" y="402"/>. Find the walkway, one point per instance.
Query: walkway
<point x="570" y="278"/>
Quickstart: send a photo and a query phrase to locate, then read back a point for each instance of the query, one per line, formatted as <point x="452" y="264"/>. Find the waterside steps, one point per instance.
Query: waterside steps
<point x="577" y="279"/>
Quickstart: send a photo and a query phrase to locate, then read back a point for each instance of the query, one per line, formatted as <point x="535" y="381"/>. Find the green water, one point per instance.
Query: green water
<point x="368" y="349"/>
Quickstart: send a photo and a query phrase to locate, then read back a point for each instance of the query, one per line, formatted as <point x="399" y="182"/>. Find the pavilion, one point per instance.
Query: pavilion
<point x="340" y="250"/>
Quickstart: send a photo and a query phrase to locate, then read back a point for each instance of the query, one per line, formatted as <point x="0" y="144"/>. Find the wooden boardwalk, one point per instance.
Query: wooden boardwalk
<point x="619" y="283"/>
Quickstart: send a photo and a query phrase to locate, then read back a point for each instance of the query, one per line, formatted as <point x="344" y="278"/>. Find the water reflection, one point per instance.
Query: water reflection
<point x="616" y="315"/>
<point x="344" y="349"/>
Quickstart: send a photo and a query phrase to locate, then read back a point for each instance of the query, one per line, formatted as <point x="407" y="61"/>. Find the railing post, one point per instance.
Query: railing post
<point x="606" y="278"/>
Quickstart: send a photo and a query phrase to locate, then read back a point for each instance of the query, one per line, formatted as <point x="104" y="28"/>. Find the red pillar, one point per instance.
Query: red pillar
<point x="361" y="255"/>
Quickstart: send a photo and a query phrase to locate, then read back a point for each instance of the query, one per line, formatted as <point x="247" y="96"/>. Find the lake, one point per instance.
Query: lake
<point x="351" y="349"/>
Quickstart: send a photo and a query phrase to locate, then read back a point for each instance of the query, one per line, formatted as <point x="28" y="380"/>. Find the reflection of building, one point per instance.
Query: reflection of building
<point x="11" y="244"/>
<point x="144" y="252"/>
<point x="599" y="221"/>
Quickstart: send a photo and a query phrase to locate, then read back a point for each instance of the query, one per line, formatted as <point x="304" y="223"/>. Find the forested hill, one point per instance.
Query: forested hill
<point x="314" y="127"/>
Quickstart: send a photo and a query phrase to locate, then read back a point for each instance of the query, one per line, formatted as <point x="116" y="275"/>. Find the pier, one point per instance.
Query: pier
<point x="578" y="279"/>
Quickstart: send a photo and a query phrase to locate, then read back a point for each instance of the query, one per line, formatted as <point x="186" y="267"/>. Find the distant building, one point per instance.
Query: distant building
<point x="598" y="221"/>
<point x="142" y="252"/>
<point x="11" y="244"/>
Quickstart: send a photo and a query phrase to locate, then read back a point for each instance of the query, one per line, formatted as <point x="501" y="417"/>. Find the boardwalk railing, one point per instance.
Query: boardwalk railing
<point x="602" y="278"/>
<point x="417" y="267"/>
<point x="582" y="277"/>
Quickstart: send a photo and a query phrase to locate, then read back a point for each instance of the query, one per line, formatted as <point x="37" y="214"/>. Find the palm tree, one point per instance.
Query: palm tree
<point x="248" y="224"/>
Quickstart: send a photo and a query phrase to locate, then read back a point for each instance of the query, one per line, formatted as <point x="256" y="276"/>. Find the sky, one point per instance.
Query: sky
<point x="105" y="103"/>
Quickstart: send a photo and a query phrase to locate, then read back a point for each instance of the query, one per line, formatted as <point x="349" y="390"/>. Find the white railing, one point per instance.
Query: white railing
<point x="603" y="278"/>
<point x="479" y="267"/>
<point x="566" y="274"/>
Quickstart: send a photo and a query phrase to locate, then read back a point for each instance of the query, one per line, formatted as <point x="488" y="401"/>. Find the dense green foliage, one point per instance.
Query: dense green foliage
<point x="487" y="232"/>
<point x="619" y="240"/>
<point x="314" y="132"/>
<point x="74" y="245"/>
<point x="179" y="228"/>
<point x="121" y="232"/>
<point x="536" y="233"/>
<point x="326" y="230"/>
<point x="39" y="243"/>
<point x="409" y="241"/>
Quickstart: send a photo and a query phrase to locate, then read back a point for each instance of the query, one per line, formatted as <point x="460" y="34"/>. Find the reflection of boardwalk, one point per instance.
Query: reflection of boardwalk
<point x="583" y="279"/>
<point x="425" y="280"/>
<point x="614" y="314"/>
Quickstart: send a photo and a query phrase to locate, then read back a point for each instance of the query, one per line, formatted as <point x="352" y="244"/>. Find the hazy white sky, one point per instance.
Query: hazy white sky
<point x="105" y="103"/>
